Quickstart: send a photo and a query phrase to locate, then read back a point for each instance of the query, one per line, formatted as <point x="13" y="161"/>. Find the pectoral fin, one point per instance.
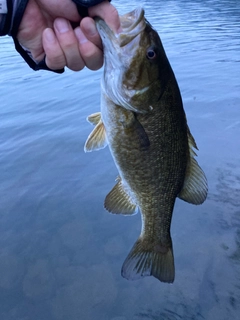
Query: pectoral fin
<point x="119" y="202"/>
<point x="94" y="118"/>
<point x="97" y="139"/>
<point x="141" y="135"/>
<point x="135" y="130"/>
<point x="195" y="186"/>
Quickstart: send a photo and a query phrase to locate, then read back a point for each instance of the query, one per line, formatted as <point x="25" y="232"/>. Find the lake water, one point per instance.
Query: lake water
<point x="60" y="252"/>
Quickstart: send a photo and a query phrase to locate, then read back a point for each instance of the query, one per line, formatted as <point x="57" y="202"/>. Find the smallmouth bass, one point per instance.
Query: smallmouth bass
<point x="143" y="122"/>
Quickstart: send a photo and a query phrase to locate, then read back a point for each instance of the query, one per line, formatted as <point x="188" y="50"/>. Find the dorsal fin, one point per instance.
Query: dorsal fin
<point x="119" y="202"/>
<point x="195" y="186"/>
<point x="97" y="139"/>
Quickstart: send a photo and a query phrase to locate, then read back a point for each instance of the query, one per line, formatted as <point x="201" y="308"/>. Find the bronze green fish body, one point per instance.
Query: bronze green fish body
<point x="143" y="121"/>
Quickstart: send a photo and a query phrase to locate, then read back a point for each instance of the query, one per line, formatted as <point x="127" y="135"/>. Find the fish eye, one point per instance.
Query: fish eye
<point x="151" y="54"/>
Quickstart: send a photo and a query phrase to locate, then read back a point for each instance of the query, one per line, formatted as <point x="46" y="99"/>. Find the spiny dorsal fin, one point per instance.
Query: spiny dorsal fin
<point x="119" y="202"/>
<point x="97" y="139"/>
<point x="94" y="118"/>
<point x="148" y="259"/>
<point x="195" y="186"/>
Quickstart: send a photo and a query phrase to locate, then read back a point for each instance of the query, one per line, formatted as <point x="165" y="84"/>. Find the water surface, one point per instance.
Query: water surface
<point x="61" y="252"/>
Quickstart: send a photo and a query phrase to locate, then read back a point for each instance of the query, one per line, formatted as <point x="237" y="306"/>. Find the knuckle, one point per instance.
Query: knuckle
<point x="76" y="66"/>
<point x="55" y="62"/>
<point x="90" y="51"/>
<point x="67" y="45"/>
<point x="94" y="62"/>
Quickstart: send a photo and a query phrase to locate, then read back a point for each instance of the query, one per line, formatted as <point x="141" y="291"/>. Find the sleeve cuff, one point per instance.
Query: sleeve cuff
<point x="10" y="21"/>
<point x="87" y="3"/>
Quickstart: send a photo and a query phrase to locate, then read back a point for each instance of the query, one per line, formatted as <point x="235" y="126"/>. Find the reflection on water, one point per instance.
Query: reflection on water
<point x="61" y="253"/>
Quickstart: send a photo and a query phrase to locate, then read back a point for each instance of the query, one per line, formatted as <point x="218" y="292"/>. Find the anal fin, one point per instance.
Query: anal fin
<point x="119" y="202"/>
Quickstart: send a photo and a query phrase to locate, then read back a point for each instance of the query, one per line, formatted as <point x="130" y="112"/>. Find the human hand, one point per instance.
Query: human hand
<point x="47" y="30"/>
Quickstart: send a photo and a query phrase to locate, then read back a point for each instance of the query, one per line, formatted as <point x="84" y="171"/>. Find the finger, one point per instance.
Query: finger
<point x="63" y="8"/>
<point x="69" y="44"/>
<point x="108" y="13"/>
<point x="89" y="28"/>
<point x="55" y="58"/>
<point x="90" y="53"/>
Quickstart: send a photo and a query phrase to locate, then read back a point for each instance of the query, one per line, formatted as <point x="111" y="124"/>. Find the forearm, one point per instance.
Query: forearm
<point x="11" y="12"/>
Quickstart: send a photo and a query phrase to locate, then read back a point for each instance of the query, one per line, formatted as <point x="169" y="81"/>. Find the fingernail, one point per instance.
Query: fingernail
<point x="80" y="36"/>
<point x="92" y="30"/>
<point x="62" y="25"/>
<point x="119" y="30"/>
<point x="49" y="35"/>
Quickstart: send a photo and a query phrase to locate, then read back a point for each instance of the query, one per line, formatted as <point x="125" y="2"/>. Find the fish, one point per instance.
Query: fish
<point x="143" y="123"/>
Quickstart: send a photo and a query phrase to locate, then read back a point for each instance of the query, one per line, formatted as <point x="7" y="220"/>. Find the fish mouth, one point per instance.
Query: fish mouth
<point x="119" y="50"/>
<point x="132" y="24"/>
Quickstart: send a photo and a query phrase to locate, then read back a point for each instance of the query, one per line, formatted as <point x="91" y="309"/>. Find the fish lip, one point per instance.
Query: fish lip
<point x="129" y="24"/>
<point x="135" y="16"/>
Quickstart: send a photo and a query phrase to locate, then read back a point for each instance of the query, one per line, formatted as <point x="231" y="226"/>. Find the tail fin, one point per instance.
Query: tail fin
<point x="149" y="260"/>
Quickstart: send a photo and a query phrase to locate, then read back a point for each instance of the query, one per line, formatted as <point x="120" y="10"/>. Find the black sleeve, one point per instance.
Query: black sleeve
<point x="17" y="14"/>
<point x="83" y="5"/>
<point x="88" y="3"/>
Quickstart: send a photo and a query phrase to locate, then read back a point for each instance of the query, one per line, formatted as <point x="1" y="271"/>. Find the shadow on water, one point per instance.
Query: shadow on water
<point x="228" y="195"/>
<point x="166" y="314"/>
